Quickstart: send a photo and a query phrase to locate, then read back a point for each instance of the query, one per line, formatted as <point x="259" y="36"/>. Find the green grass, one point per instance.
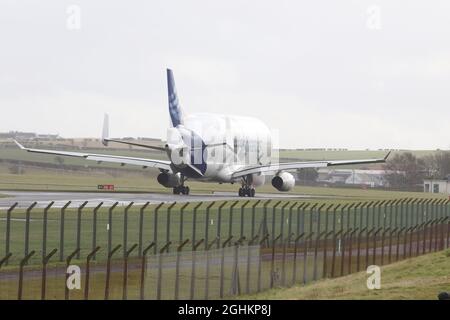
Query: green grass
<point x="346" y="154"/>
<point x="417" y="278"/>
<point x="60" y="180"/>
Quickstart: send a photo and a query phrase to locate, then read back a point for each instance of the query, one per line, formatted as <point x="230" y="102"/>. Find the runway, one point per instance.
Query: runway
<point x="26" y="198"/>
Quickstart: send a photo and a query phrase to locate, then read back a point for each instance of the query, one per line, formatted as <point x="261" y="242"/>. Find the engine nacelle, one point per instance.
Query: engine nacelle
<point x="169" y="180"/>
<point x="283" y="181"/>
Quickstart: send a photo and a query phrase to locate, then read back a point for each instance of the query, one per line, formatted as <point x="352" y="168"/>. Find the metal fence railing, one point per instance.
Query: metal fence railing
<point x="70" y="227"/>
<point x="222" y="269"/>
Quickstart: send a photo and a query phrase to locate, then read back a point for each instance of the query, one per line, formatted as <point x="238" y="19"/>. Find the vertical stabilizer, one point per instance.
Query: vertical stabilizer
<point x="176" y="115"/>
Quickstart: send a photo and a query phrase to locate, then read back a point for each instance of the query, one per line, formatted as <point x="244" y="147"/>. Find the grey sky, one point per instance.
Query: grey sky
<point x="320" y="72"/>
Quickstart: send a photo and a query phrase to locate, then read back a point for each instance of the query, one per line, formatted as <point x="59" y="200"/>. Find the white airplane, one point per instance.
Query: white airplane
<point x="213" y="148"/>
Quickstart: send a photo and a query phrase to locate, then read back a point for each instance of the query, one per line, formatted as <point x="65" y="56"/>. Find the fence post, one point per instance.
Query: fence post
<point x="125" y="272"/>
<point x="230" y="222"/>
<point x="80" y="208"/>
<point x="23" y="262"/>
<point x="182" y="221"/>
<point x="155" y="227"/>
<point x="264" y="230"/>
<point x="350" y="250"/>
<point x="44" y="230"/>
<point x="424" y="240"/>
<point x="290" y="221"/>
<point x="272" y="262"/>
<point x="419" y="230"/>
<point x="159" y="279"/>
<point x="316" y="249"/>
<point x="301" y="226"/>
<point x="274" y="208"/>
<point x="411" y="234"/>
<point x="383" y="235"/>
<point x="438" y="244"/>
<point x="89" y="257"/>
<point x="265" y="238"/>
<point x="294" y="270"/>
<point x="68" y="261"/>
<point x="141" y="228"/>
<point x="110" y="213"/>
<point x="143" y="257"/>
<point x="45" y="261"/>
<point x="27" y="227"/>
<point x="108" y="269"/>
<point x="125" y="229"/>
<point x="194" y="224"/>
<point x="222" y="260"/>
<point x="374" y="258"/>
<point x="235" y="282"/>
<point x="169" y="211"/>
<point x="405" y="239"/>
<point x="433" y="223"/>
<point x="242" y="217"/>
<point x="333" y="260"/>
<point x="219" y="222"/>
<point x="448" y="235"/>
<point x="193" y="267"/>
<point x="311" y="215"/>
<point x="177" y="267"/>
<point x="325" y="254"/>
<point x="369" y="232"/>
<point x="247" y="282"/>
<point x="305" y="256"/>
<point x="208" y="208"/>
<point x="94" y="229"/>
<point x="283" y="263"/>
<point x="358" y="254"/>
<point x="282" y="219"/>
<point x="253" y="218"/>
<point x="208" y="248"/>
<point x="8" y="229"/>
<point x="390" y="244"/>
<point x="343" y="242"/>
<point x="442" y="231"/>
<point x="61" y="231"/>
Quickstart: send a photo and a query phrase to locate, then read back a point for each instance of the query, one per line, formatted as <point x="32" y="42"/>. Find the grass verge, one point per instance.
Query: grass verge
<point x="418" y="278"/>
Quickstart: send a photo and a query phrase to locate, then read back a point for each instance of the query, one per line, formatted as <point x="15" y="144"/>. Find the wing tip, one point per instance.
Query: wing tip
<point x="19" y="145"/>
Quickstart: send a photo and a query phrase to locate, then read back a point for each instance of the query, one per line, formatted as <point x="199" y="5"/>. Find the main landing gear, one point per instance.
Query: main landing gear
<point x="181" y="190"/>
<point x="247" y="188"/>
<point x="246" y="191"/>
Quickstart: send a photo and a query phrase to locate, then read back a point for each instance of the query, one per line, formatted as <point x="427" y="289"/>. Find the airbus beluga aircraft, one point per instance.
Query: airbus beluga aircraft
<point x="211" y="148"/>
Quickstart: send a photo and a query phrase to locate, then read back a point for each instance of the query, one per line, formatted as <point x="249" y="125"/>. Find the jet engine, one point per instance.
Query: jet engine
<point x="169" y="180"/>
<point x="283" y="181"/>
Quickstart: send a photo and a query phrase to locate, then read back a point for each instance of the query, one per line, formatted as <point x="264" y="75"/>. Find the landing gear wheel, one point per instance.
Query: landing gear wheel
<point x="252" y="192"/>
<point x="186" y="190"/>
<point x="241" y="192"/>
<point x="176" y="190"/>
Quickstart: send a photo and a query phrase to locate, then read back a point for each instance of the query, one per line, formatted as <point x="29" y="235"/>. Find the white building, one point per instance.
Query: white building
<point x="437" y="185"/>
<point x="371" y="178"/>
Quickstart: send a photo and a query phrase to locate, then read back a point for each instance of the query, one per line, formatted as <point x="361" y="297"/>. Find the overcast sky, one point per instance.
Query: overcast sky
<point x="352" y="74"/>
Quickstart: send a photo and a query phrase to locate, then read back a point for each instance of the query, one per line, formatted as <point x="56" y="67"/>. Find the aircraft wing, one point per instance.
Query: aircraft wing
<point x="143" y="162"/>
<point x="286" y="166"/>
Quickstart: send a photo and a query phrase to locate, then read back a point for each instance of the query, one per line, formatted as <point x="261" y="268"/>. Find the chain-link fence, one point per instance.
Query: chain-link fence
<point x="182" y="253"/>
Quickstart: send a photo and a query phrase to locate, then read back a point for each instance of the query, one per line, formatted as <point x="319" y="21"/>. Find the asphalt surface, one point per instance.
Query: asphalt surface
<point x="26" y="198"/>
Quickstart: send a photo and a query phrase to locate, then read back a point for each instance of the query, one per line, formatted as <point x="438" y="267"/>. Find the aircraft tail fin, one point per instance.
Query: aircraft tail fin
<point x="176" y="114"/>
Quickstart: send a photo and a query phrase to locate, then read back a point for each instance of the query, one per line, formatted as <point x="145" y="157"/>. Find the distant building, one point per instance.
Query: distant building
<point x="371" y="178"/>
<point x="437" y="185"/>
